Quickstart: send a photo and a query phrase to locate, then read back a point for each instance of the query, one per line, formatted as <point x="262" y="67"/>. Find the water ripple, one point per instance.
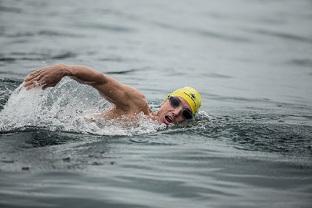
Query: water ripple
<point x="282" y="35"/>
<point x="10" y="9"/>
<point x="107" y="27"/>
<point x="17" y="56"/>
<point x="49" y="33"/>
<point x="301" y="62"/>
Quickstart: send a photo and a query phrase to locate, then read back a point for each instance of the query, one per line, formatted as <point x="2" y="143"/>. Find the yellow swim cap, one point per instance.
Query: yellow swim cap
<point x="190" y="95"/>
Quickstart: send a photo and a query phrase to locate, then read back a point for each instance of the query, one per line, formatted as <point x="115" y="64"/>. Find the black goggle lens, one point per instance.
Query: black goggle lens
<point x="187" y="114"/>
<point x="175" y="102"/>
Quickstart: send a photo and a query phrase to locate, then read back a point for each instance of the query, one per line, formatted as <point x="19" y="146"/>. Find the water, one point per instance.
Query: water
<point x="250" y="145"/>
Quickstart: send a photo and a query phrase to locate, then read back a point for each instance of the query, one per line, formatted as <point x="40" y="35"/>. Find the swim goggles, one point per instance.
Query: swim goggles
<point x="176" y="102"/>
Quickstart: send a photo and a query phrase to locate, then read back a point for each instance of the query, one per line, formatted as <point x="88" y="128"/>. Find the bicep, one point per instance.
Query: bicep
<point x="114" y="91"/>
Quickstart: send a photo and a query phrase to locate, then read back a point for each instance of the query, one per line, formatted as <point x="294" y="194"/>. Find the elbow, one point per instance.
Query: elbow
<point x="60" y="66"/>
<point x="65" y="69"/>
<point x="101" y="79"/>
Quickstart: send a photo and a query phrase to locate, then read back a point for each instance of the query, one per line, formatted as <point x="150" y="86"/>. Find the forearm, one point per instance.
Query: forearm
<point x="110" y="88"/>
<point x="84" y="74"/>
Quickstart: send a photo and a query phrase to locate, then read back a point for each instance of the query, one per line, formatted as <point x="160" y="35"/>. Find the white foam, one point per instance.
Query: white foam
<point x="64" y="108"/>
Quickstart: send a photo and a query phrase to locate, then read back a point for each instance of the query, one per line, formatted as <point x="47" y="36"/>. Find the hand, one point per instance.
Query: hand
<point x="44" y="77"/>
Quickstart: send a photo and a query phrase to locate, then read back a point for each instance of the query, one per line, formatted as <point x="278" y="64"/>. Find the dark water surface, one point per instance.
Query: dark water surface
<point x="250" y="145"/>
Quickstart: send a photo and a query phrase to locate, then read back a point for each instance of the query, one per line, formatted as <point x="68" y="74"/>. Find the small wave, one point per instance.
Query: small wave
<point x="217" y="75"/>
<point x="36" y="56"/>
<point x="282" y="35"/>
<point x="10" y="9"/>
<point x="58" y="33"/>
<point x="122" y="72"/>
<point x="64" y="55"/>
<point x="256" y="132"/>
<point x="107" y="27"/>
<point x="64" y="108"/>
<point x="203" y="33"/>
<point x="302" y="62"/>
<point x="48" y="33"/>
<point x="7" y="86"/>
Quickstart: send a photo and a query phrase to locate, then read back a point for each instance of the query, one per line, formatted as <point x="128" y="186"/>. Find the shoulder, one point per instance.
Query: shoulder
<point x="136" y="100"/>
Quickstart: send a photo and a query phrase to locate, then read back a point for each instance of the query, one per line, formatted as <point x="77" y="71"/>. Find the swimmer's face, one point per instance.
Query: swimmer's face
<point x="173" y="111"/>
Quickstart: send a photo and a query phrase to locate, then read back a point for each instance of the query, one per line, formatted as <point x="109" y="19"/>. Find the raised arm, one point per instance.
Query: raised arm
<point x="119" y="94"/>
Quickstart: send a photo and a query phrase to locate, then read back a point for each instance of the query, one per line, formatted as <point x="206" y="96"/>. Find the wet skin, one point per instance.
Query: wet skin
<point x="127" y="101"/>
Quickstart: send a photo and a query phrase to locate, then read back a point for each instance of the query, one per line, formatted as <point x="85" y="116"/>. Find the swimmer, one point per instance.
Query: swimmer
<point x="180" y="105"/>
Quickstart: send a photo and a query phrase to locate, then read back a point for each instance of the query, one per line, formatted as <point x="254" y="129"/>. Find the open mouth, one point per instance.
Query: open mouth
<point x="168" y="120"/>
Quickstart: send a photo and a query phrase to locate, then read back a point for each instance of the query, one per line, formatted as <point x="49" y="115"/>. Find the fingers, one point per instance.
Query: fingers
<point x="33" y="79"/>
<point x="36" y="79"/>
<point x="33" y="75"/>
<point x="34" y="82"/>
<point x="36" y="71"/>
<point x="44" y="78"/>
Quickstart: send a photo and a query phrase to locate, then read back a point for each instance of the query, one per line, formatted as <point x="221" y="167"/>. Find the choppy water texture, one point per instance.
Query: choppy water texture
<point x="250" y="145"/>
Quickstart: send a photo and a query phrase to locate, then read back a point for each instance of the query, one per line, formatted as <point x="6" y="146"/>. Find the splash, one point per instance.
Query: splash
<point x="65" y="108"/>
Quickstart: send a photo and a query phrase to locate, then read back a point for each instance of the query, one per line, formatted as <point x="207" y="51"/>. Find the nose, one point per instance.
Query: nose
<point x="177" y="111"/>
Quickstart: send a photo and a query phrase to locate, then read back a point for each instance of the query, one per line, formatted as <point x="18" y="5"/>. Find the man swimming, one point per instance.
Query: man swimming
<point x="180" y="105"/>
